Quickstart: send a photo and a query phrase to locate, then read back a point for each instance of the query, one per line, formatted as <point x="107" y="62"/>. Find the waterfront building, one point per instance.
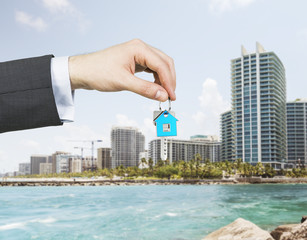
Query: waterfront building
<point x="75" y="165"/>
<point x="126" y="144"/>
<point x="53" y="159"/>
<point x="24" y="168"/>
<point x="62" y="162"/>
<point x="185" y="149"/>
<point x="297" y="131"/>
<point x="45" y="168"/>
<point x="89" y="163"/>
<point x="227" y="137"/>
<point x="104" y="158"/>
<point x="36" y="160"/>
<point x="258" y="87"/>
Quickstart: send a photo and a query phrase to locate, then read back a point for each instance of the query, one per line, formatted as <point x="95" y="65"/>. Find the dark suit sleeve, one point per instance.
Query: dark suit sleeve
<point x="26" y="95"/>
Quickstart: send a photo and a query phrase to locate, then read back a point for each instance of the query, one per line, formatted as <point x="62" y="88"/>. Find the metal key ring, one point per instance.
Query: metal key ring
<point x="169" y="105"/>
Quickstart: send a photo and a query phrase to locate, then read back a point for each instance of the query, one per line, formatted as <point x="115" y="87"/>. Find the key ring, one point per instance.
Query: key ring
<point x="169" y="105"/>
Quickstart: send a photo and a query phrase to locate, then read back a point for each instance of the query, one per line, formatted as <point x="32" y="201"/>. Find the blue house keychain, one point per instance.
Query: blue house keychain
<point x="165" y="122"/>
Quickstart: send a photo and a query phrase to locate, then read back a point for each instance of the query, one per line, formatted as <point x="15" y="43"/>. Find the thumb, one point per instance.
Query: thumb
<point x="147" y="89"/>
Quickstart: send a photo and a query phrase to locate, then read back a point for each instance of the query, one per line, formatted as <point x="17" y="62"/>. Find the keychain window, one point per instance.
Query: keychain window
<point x="166" y="127"/>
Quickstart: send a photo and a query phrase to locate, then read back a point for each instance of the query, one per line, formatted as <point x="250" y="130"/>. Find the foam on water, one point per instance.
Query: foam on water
<point x="21" y="225"/>
<point x="170" y="214"/>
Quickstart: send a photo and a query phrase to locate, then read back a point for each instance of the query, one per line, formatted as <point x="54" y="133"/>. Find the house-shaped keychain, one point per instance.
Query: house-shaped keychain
<point x="166" y="124"/>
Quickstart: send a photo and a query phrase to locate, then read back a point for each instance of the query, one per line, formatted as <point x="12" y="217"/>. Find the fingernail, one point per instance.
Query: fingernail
<point x="160" y="95"/>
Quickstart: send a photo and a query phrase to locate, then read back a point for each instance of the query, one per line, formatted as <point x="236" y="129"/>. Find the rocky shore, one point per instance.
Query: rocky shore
<point x="246" y="230"/>
<point x="124" y="182"/>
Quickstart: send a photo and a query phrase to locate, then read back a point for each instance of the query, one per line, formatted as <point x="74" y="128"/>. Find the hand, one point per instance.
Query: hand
<point x="113" y="70"/>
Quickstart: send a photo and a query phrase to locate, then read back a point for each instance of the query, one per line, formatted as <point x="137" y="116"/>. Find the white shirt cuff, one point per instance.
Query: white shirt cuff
<point x="64" y="97"/>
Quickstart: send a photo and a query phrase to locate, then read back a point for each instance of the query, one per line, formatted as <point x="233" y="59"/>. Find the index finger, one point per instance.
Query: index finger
<point x="165" y="69"/>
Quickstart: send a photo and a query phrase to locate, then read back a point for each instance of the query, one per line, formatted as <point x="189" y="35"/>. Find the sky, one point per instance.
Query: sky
<point x="202" y="36"/>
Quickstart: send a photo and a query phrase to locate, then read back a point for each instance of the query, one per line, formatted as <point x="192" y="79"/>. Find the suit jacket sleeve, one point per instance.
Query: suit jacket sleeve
<point x="26" y="95"/>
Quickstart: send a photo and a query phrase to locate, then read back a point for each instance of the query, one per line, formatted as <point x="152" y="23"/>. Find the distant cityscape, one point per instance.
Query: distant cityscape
<point x="260" y="127"/>
<point x="127" y="150"/>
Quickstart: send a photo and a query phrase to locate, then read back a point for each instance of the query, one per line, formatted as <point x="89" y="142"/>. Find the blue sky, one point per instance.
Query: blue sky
<point x="202" y="36"/>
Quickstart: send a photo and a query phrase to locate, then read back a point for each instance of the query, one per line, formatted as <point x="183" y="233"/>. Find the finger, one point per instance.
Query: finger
<point x="147" y="89"/>
<point x="145" y="56"/>
<point x="171" y="63"/>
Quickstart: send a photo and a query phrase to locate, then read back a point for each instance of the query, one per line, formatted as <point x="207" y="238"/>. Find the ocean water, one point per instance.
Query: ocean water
<point x="144" y="212"/>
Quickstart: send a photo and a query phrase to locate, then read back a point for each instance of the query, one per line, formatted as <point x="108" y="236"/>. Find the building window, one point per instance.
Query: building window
<point x="166" y="127"/>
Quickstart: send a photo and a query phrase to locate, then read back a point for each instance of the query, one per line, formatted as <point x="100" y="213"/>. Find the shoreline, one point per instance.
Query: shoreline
<point x="15" y="182"/>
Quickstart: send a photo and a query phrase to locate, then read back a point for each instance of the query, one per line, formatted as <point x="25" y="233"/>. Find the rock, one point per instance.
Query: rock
<point x="291" y="232"/>
<point x="239" y="229"/>
<point x="278" y="232"/>
<point x="304" y="218"/>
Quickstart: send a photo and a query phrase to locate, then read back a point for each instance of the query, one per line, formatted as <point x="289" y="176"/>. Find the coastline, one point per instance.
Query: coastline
<point x="19" y="182"/>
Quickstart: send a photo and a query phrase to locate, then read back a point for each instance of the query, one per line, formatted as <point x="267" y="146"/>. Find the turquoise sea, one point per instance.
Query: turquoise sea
<point x="144" y="212"/>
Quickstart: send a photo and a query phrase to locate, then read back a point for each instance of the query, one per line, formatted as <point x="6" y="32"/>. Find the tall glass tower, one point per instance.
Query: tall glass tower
<point x="258" y="86"/>
<point x="227" y="150"/>
<point x="297" y="131"/>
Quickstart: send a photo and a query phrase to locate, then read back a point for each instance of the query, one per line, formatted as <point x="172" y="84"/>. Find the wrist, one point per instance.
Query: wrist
<point x="77" y="79"/>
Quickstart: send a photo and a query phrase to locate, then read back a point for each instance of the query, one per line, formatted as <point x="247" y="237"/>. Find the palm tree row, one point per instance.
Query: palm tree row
<point x="193" y="169"/>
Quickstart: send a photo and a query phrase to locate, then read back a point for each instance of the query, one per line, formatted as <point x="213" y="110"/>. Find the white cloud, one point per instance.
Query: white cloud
<point x="199" y="117"/>
<point x="59" y="6"/>
<point x="123" y="120"/>
<point x="212" y="105"/>
<point x="221" y="6"/>
<point x="30" y="143"/>
<point x="30" y="21"/>
<point x="65" y="7"/>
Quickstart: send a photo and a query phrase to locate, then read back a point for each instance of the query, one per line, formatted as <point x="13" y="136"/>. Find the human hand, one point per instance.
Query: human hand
<point x="113" y="70"/>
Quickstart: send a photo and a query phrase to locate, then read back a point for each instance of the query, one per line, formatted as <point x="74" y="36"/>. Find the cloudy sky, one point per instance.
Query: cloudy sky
<point x="202" y="36"/>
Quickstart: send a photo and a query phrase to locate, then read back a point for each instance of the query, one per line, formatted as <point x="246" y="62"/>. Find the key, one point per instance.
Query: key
<point x="165" y="122"/>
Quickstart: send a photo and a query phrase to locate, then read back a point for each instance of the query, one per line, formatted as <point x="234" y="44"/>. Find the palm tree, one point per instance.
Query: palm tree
<point x="191" y="165"/>
<point x="143" y="162"/>
<point x="198" y="161"/>
<point x="150" y="163"/>
<point x="259" y="169"/>
<point x="160" y="163"/>
<point x="184" y="168"/>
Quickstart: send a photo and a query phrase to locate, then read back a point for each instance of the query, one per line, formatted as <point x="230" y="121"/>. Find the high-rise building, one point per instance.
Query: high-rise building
<point x="53" y="159"/>
<point x="24" y="168"/>
<point x="89" y="163"/>
<point x="75" y="165"/>
<point x="297" y="131"/>
<point x="227" y="145"/>
<point x="185" y="149"/>
<point x="45" y="168"/>
<point x="258" y="86"/>
<point x="104" y="158"/>
<point x="126" y="144"/>
<point x="36" y="160"/>
<point x="62" y="162"/>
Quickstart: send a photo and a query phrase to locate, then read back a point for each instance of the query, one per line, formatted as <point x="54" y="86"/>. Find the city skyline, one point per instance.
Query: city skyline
<point x="201" y="37"/>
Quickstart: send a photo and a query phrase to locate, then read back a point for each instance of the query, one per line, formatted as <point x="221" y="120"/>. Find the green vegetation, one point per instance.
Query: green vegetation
<point x="194" y="169"/>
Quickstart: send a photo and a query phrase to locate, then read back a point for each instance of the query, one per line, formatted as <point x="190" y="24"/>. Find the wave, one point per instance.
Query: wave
<point x="170" y="214"/>
<point x="20" y="225"/>
<point x="12" y="226"/>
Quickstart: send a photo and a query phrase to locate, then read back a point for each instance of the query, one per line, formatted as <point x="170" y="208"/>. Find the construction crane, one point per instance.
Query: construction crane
<point x="82" y="149"/>
<point x="92" y="142"/>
